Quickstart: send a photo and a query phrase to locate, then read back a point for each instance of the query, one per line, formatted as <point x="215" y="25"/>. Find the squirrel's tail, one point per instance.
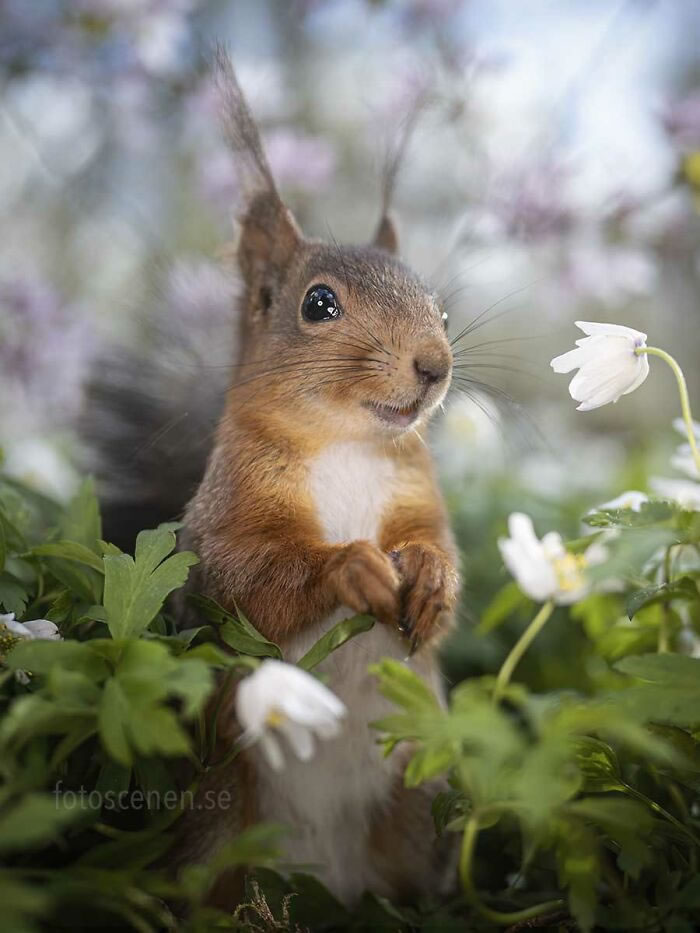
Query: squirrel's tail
<point x="151" y="410"/>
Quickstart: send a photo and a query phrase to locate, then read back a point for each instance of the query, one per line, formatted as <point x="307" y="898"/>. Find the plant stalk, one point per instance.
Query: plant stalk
<point x="519" y="649"/>
<point x="683" y="392"/>
<point x="502" y="918"/>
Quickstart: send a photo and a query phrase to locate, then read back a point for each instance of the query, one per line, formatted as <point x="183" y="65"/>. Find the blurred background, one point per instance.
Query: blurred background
<point x="553" y="175"/>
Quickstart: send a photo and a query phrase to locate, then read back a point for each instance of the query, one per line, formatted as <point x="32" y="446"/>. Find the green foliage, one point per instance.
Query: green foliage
<point x="95" y="728"/>
<point x="576" y="794"/>
<point x="588" y="797"/>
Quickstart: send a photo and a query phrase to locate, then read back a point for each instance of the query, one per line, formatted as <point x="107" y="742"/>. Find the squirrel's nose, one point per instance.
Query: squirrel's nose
<point x="430" y="368"/>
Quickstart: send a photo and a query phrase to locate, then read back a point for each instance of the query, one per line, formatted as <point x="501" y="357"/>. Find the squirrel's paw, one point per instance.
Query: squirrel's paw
<point x="428" y="591"/>
<point x="365" y="579"/>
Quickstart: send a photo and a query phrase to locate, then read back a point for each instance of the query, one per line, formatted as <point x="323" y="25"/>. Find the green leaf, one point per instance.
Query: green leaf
<point x="134" y="715"/>
<point x="653" y="512"/>
<point x="671" y="694"/>
<point x="22" y="904"/>
<point x="41" y="655"/>
<point x="579" y="870"/>
<point x="73" y="738"/>
<point x="3" y="545"/>
<point x="682" y="588"/>
<point x="83" y="581"/>
<point x="112" y="717"/>
<point x="14" y="595"/>
<point x="428" y="762"/>
<point x="448" y="807"/>
<point x="69" y="550"/>
<point x="335" y="637"/>
<point x="314" y="906"/>
<point x="598" y="765"/>
<point x="135" y="590"/>
<point x="627" y="822"/>
<point x="674" y="670"/>
<point x="81" y="520"/>
<point x="237" y="631"/>
<point x="398" y="683"/>
<point x="629" y="552"/>
<point x="35" y="820"/>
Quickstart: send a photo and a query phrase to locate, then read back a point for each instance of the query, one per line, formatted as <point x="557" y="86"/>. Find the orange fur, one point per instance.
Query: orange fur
<point x="298" y="389"/>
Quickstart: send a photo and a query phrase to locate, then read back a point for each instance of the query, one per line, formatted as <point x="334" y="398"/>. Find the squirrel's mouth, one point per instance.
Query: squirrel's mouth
<point x="400" y="416"/>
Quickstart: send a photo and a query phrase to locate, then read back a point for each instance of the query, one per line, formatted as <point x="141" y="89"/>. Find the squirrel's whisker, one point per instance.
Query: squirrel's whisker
<point x="468" y="367"/>
<point x="473" y="323"/>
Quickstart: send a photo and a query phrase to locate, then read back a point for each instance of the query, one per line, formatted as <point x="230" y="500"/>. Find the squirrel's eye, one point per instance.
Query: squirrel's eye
<point x="320" y="304"/>
<point x="445" y="319"/>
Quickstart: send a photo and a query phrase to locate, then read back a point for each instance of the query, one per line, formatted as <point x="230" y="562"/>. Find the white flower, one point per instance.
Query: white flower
<point x="545" y="569"/>
<point x="36" y="628"/>
<point x="683" y="492"/>
<point x="684" y="461"/>
<point x="11" y="631"/>
<point x="679" y="425"/>
<point x="282" y="698"/>
<point x="607" y="365"/>
<point x="631" y="499"/>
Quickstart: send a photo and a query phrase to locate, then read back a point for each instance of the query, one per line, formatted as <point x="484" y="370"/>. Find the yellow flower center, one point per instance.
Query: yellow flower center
<point x="274" y="718"/>
<point x="569" y="571"/>
<point x="7" y="641"/>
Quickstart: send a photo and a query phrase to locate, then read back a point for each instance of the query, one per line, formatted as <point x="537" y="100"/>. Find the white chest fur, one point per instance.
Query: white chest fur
<point x="351" y="484"/>
<point x="330" y="800"/>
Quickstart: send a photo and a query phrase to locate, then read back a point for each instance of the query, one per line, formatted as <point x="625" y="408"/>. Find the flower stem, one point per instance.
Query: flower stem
<point x="683" y="392"/>
<point x="519" y="649"/>
<point x="657" y="808"/>
<point x="466" y="856"/>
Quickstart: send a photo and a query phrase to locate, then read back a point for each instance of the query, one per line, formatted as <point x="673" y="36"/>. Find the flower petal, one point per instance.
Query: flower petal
<point x="642" y="373"/>
<point x="564" y="363"/>
<point x="678" y="425"/>
<point x="630" y="499"/>
<point x="524" y="557"/>
<point x="43" y="628"/>
<point x="597" y="329"/>
<point x="17" y="628"/>
<point x="272" y="751"/>
<point x="299" y="738"/>
<point x="683" y="492"/>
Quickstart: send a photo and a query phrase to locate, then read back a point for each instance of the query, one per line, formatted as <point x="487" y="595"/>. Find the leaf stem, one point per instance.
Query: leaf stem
<point x="466" y="856"/>
<point x="683" y="392"/>
<point x="657" y="808"/>
<point x="519" y="649"/>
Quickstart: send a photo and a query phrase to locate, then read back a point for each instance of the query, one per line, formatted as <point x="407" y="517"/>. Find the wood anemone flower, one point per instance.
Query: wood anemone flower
<point x="281" y="699"/>
<point x="607" y="362"/>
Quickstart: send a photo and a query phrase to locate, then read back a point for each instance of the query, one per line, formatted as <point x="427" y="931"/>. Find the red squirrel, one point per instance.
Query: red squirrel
<point x="318" y="501"/>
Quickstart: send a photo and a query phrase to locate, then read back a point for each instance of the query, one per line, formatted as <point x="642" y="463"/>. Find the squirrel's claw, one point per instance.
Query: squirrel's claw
<point x="427" y="592"/>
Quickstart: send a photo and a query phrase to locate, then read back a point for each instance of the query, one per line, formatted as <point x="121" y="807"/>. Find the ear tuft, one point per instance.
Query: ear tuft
<point x="386" y="237"/>
<point x="268" y="234"/>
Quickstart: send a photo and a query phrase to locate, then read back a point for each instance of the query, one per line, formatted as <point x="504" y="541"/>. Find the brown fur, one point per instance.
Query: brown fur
<point x="298" y="387"/>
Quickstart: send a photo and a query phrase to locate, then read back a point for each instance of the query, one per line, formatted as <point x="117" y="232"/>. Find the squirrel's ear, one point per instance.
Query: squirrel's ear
<point x="386" y="237"/>
<point x="268" y="233"/>
<point x="269" y="237"/>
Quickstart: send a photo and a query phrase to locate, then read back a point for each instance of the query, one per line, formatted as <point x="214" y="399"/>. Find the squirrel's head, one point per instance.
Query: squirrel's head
<point x="346" y="338"/>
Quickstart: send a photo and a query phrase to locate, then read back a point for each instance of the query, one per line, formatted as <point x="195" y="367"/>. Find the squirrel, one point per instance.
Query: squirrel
<point x="315" y="499"/>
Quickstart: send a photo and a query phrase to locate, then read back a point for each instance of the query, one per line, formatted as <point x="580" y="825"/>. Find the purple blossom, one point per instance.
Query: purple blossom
<point x="681" y="120"/>
<point x="532" y="202"/>
<point x="422" y="13"/>
<point x="44" y="349"/>
<point x="300" y="160"/>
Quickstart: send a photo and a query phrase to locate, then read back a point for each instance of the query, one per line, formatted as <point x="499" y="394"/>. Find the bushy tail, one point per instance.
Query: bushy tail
<point x="151" y="410"/>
